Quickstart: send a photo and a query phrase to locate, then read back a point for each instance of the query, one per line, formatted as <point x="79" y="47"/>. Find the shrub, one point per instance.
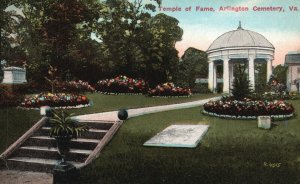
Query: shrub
<point x="275" y="86"/>
<point x="168" y="89"/>
<point x="241" y="85"/>
<point x="75" y="87"/>
<point x="200" y="88"/>
<point x="275" y="91"/>
<point x="61" y="87"/>
<point x="270" y="96"/>
<point x="122" y="84"/>
<point x="11" y="95"/>
<point x="33" y="87"/>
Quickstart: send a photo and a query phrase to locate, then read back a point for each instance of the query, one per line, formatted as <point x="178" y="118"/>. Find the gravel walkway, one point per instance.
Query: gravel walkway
<point x="113" y="115"/>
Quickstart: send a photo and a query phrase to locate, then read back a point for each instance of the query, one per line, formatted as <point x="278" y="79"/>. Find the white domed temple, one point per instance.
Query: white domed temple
<point x="236" y="46"/>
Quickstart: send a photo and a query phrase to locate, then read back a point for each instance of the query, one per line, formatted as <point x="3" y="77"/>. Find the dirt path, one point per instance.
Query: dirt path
<point x="18" y="177"/>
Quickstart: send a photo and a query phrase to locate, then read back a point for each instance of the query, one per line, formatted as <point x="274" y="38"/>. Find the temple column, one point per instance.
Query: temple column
<point x="231" y="68"/>
<point x="215" y="77"/>
<point x="269" y="69"/>
<point x="251" y="71"/>
<point x="211" y="75"/>
<point x="225" y="75"/>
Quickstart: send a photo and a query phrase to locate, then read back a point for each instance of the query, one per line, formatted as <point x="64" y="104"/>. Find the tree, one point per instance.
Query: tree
<point x="10" y="20"/>
<point x="193" y="65"/>
<point x="137" y="44"/>
<point x="280" y="73"/>
<point x="132" y="41"/>
<point x="120" y="29"/>
<point x="52" y="78"/>
<point x="260" y="77"/>
<point x="50" y="31"/>
<point x="164" y="60"/>
<point x="241" y="85"/>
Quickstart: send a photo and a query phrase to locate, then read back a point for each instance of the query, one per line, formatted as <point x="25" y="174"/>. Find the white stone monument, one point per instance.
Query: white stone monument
<point x="184" y="136"/>
<point x="14" y="75"/>
<point x="264" y="122"/>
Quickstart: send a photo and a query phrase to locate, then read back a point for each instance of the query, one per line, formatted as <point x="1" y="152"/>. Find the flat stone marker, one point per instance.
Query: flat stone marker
<point x="264" y="122"/>
<point x="185" y="136"/>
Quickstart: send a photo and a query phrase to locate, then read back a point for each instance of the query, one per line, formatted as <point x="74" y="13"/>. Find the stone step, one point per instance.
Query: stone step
<point x="34" y="164"/>
<point x="45" y="141"/>
<point x="94" y="134"/>
<point x="100" y="125"/>
<point x="103" y="125"/>
<point x="78" y="155"/>
<point x="77" y="151"/>
<point x="90" y="134"/>
<point x="39" y="153"/>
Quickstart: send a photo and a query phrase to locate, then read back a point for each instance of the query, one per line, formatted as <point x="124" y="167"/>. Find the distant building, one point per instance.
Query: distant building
<point x="292" y="60"/>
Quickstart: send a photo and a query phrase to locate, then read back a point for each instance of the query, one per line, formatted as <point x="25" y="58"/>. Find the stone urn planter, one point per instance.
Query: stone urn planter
<point x="64" y="129"/>
<point x="63" y="147"/>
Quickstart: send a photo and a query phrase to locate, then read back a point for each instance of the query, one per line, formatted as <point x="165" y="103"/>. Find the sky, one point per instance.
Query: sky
<point x="200" y="29"/>
<point x="282" y="29"/>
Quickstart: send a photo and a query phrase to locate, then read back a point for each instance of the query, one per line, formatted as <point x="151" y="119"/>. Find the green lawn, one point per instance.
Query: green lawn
<point x="103" y="103"/>
<point x="231" y="152"/>
<point x="14" y="122"/>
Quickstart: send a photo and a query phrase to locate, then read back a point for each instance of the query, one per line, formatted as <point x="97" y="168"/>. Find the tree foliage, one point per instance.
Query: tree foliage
<point x="137" y="44"/>
<point x="10" y="41"/>
<point x="49" y="31"/>
<point x="280" y="73"/>
<point x="241" y="85"/>
<point x="164" y="60"/>
<point x="193" y="65"/>
<point x="261" y="77"/>
<point x="131" y="41"/>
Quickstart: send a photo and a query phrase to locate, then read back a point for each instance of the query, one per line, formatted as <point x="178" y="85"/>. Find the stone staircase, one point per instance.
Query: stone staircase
<point x="36" y="151"/>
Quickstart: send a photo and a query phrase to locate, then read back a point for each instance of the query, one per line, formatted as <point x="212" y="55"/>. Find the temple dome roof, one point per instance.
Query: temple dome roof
<point x="239" y="38"/>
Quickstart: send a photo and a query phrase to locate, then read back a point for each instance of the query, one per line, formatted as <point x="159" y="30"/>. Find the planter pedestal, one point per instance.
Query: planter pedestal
<point x="64" y="173"/>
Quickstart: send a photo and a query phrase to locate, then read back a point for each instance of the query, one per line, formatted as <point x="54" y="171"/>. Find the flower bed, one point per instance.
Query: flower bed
<point x="277" y="96"/>
<point x="121" y="84"/>
<point x="74" y="87"/>
<point x="58" y="100"/>
<point x="276" y="117"/>
<point x="169" y="90"/>
<point x="248" y="109"/>
<point x="80" y="86"/>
